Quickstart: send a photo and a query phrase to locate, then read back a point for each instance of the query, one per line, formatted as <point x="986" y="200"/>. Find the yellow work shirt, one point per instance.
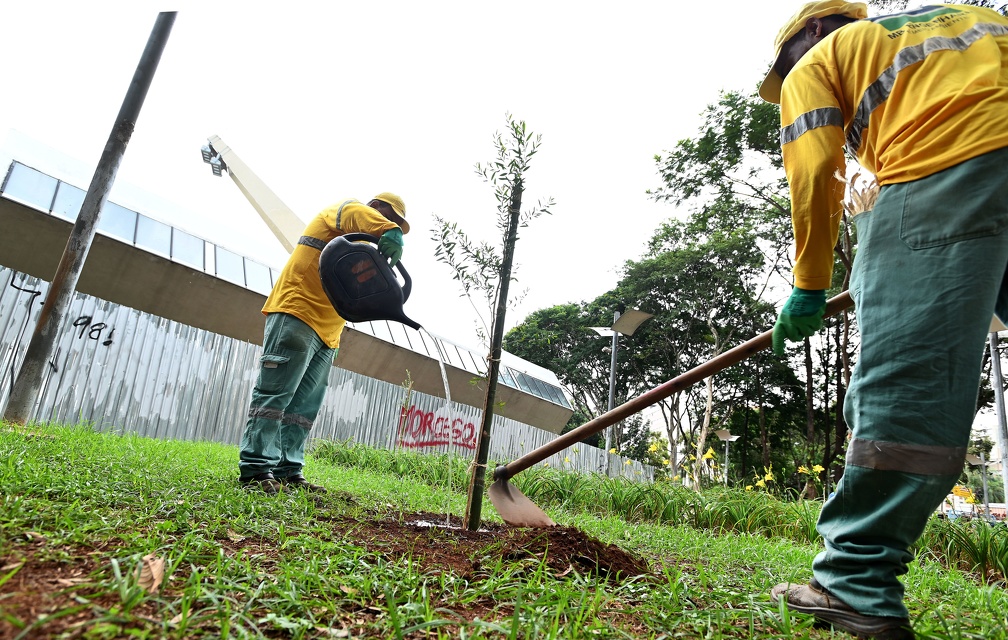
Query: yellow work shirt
<point x="909" y="94"/>
<point x="298" y="291"/>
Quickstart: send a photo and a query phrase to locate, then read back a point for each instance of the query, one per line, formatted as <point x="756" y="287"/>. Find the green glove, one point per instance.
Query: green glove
<point x="801" y="317"/>
<point x="390" y="244"/>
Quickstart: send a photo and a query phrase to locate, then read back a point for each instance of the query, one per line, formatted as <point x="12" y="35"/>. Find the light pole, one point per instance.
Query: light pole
<point x="982" y="463"/>
<point x="726" y="436"/>
<point x="625" y="322"/>
<point x="997" y="383"/>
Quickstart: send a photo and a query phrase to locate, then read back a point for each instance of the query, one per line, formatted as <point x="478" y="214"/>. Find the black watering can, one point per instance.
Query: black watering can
<point x="360" y="283"/>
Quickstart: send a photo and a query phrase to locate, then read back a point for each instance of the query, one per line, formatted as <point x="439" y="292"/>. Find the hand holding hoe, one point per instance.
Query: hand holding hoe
<point x="518" y="511"/>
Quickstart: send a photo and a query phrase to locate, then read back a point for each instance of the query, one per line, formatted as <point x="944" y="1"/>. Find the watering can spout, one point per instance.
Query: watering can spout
<point x="359" y="282"/>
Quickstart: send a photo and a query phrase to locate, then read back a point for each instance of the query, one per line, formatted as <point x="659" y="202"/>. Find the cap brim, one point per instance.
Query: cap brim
<point x="770" y="89"/>
<point x="399" y="220"/>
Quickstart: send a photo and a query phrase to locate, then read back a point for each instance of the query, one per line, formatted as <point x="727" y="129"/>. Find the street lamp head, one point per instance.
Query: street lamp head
<point x="217" y="166"/>
<point x="975" y="460"/>
<point x="212" y="158"/>
<point x="629" y="321"/>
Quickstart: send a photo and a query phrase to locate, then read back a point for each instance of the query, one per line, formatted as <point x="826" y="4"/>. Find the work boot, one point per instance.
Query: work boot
<point x="300" y="482"/>
<point x="263" y="481"/>
<point x="814" y="599"/>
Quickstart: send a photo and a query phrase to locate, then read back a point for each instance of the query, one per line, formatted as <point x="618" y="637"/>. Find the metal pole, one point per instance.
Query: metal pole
<point x="25" y="391"/>
<point x="983" y="467"/>
<point x="999" y="404"/>
<point x="612" y="391"/>
<point x="726" y="461"/>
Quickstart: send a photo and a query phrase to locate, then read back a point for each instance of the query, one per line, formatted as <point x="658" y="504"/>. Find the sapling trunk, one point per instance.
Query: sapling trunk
<point x="474" y="502"/>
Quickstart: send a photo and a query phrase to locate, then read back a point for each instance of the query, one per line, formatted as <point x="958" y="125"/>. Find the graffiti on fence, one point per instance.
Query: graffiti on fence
<point x="85" y="326"/>
<point x="93" y="330"/>
<point x="419" y="429"/>
<point x="32" y="294"/>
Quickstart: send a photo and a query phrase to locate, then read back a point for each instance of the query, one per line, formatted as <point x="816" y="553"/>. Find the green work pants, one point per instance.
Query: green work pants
<point x="930" y="270"/>
<point x="293" y="372"/>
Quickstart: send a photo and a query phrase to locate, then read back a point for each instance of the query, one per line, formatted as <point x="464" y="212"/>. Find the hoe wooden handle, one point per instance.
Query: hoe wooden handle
<point x="714" y="365"/>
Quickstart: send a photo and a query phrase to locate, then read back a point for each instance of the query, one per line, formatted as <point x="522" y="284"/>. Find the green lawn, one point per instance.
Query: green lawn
<point x="80" y="511"/>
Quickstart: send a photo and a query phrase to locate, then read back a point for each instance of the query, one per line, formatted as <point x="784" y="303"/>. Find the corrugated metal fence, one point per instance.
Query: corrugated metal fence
<point x="128" y="371"/>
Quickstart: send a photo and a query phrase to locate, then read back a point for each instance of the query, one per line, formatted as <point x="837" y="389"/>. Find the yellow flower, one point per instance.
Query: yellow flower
<point x="567" y="459"/>
<point x="802" y="469"/>
<point x="961" y="491"/>
<point x="676" y="478"/>
<point x="760" y="484"/>
<point x="628" y="462"/>
<point x="545" y="464"/>
<point x="710" y="454"/>
<point x="818" y="469"/>
<point x="653" y="447"/>
<point x="748" y="487"/>
<point x="692" y="457"/>
<point x="665" y="461"/>
<point x="769" y="473"/>
<point x="613" y="450"/>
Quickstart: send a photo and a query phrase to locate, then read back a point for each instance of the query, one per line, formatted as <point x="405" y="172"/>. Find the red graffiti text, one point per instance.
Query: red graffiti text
<point x="419" y="429"/>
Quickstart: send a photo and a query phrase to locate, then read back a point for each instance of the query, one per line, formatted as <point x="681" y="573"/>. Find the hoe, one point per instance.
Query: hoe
<point x="518" y="511"/>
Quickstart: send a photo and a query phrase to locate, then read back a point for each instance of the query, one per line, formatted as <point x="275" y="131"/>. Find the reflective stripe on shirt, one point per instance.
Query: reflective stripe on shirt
<point x="339" y="214"/>
<point x="878" y="91"/>
<point x="316" y="243"/>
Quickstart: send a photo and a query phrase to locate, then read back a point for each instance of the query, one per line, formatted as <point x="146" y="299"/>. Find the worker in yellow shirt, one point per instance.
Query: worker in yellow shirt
<point x="921" y="99"/>
<point x="300" y="342"/>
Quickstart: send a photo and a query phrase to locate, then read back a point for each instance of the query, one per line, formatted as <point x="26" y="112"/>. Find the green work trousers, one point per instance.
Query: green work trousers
<point x="293" y="372"/>
<point x="930" y="270"/>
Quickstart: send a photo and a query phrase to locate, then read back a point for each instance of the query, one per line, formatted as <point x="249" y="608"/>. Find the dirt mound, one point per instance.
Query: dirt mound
<point x="441" y="542"/>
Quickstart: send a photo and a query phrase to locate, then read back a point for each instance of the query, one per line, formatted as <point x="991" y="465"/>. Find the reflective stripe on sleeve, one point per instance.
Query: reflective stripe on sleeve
<point x="925" y="460"/>
<point x="315" y="243"/>
<point x="825" y="117"/>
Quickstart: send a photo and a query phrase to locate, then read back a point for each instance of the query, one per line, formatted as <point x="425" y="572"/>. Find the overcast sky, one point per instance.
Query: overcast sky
<point x="333" y="100"/>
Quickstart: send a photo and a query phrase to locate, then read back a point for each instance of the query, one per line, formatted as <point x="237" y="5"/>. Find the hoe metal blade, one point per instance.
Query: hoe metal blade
<point x="514" y="508"/>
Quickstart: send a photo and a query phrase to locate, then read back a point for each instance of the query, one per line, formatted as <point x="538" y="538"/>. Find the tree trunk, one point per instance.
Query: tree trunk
<point x="474" y="501"/>
<point x="704" y="429"/>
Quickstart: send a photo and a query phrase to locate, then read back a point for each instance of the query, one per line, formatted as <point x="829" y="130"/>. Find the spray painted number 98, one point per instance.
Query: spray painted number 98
<point x="93" y="331"/>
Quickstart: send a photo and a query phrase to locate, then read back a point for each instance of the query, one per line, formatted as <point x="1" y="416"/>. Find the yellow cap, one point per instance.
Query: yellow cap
<point x="397" y="205"/>
<point x="770" y="89"/>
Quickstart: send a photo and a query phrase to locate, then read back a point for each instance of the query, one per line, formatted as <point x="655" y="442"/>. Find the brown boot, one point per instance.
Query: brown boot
<point x="263" y="481"/>
<point x="814" y="599"/>
<point x="300" y="482"/>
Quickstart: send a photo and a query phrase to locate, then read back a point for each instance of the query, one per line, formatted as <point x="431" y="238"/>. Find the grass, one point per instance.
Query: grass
<point x="88" y="507"/>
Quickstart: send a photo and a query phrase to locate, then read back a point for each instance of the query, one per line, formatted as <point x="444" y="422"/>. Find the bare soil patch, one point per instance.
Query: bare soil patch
<point x="66" y="583"/>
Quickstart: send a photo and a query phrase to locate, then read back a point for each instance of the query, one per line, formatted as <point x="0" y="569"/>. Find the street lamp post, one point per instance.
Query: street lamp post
<point x="997" y="383"/>
<point x="625" y="322"/>
<point x="726" y="436"/>
<point x="982" y="463"/>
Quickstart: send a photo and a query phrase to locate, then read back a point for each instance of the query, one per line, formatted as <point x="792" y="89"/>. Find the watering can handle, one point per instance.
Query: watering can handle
<point x="367" y="237"/>
<point x="733" y="356"/>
